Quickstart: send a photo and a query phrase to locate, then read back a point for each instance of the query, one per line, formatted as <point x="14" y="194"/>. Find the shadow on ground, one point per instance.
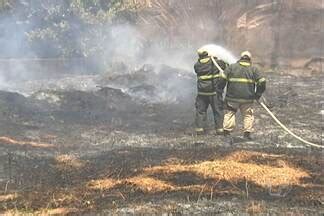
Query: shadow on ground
<point x="134" y="175"/>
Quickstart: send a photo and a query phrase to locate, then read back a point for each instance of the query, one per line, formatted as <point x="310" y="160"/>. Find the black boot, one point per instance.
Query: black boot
<point x="228" y="137"/>
<point x="227" y="133"/>
<point x="247" y="136"/>
<point x="219" y="131"/>
<point x="200" y="131"/>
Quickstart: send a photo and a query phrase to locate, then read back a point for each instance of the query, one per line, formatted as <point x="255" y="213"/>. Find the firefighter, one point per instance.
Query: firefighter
<point x="244" y="85"/>
<point x="209" y="94"/>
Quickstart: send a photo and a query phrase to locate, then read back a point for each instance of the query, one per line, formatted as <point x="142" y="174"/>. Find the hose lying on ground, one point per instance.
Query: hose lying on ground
<point x="286" y="129"/>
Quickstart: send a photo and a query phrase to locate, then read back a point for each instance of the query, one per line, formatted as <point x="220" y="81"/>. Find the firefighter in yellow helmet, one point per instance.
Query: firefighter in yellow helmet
<point x="208" y="76"/>
<point x="244" y="84"/>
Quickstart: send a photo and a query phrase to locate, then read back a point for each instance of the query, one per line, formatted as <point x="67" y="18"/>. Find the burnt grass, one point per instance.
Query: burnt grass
<point x="107" y="152"/>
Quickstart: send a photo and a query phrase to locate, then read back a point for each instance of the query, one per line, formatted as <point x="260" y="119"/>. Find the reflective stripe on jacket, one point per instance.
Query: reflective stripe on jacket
<point x="208" y="76"/>
<point x="244" y="82"/>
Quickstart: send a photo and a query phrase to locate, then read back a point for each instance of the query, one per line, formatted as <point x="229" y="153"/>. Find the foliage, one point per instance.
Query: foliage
<point x="63" y="27"/>
<point x="6" y="4"/>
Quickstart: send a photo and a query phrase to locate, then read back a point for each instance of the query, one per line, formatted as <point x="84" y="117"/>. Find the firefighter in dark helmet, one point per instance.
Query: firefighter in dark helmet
<point x="244" y="85"/>
<point x="209" y="93"/>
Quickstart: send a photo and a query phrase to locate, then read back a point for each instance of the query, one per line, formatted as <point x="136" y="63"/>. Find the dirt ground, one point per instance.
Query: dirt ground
<point x="128" y="148"/>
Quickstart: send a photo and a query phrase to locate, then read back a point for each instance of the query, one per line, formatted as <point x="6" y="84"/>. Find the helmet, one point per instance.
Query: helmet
<point x="246" y="53"/>
<point x="202" y="53"/>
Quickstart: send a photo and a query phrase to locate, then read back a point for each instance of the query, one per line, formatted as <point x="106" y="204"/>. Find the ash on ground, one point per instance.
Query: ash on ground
<point x="123" y="143"/>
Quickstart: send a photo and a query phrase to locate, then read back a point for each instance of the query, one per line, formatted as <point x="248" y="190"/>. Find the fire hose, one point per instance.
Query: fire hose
<point x="286" y="129"/>
<point x="275" y="118"/>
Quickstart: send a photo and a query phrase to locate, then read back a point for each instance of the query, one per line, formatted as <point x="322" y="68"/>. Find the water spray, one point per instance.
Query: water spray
<point x="220" y="52"/>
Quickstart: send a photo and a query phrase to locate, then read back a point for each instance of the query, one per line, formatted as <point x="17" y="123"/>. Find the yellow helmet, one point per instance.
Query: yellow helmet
<point x="202" y="53"/>
<point x="246" y="53"/>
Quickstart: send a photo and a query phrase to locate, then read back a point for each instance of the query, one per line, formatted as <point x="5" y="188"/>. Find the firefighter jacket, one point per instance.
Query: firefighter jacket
<point x="244" y="82"/>
<point x="208" y="76"/>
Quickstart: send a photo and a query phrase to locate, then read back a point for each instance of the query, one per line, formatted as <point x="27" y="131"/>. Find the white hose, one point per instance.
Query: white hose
<point x="217" y="65"/>
<point x="286" y="129"/>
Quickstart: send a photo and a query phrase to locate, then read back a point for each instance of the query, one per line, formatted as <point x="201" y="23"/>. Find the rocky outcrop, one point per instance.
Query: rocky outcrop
<point x="277" y="32"/>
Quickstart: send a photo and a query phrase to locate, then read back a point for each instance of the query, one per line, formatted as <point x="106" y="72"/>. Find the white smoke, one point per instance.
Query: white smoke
<point x="99" y="44"/>
<point x="129" y="45"/>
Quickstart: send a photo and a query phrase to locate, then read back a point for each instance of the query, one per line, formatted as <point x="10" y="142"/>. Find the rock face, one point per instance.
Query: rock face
<point x="280" y="33"/>
<point x="277" y="32"/>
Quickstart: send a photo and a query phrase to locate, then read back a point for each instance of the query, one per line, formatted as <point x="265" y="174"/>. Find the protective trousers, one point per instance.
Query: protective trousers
<point x="202" y="104"/>
<point x="247" y="113"/>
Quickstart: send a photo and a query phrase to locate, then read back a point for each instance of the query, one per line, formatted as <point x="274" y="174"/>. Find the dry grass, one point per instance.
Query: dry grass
<point x="235" y="171"/>
<point x="150" y="185"/>
<point x="228" y="170"/>
<point x="44" y="212"/>
<point x="102" y="184"/>
<point x="8" y="197"/>
<point x="143" y="183"/>
<point x="57" y="211"/>
<point x="69" y="163"/>
<point x="242" y="156"/>
<point x="10" y="141"/>
<point x="205" y="179"/>
<point x="254" y="208"/>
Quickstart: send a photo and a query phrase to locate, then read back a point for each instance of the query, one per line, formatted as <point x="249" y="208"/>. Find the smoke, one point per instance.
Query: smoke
<point x="58" y="35"/>
<point x="127" y="44"/>
<point x="12" y="31"/>
<point x="14" y="44"/>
